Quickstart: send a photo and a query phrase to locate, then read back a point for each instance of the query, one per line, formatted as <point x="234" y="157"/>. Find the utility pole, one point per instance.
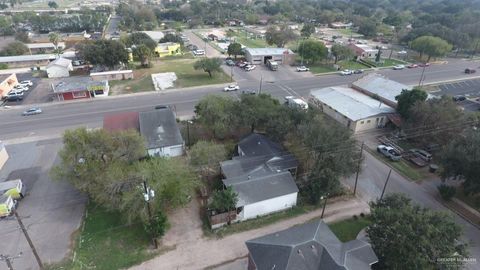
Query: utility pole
<point x="231" y="73"/>
<point x="358" y="168"/>
<point x="422" y="76"/>
<point x="324" y="204"/>
<point x="147" y="196"/>
<point x="385" y="186"/>
<point x="30" y="243"/>
<point x="8" y="259"/>
<point x="261" y="81"/>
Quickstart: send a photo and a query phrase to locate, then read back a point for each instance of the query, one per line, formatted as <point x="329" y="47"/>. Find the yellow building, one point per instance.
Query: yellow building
<point x="168" y="48"/>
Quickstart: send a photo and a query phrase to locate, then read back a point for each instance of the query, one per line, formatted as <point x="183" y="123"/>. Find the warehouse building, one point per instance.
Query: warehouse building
<point x="258" y="56"/>
<point x="351" y="108"/>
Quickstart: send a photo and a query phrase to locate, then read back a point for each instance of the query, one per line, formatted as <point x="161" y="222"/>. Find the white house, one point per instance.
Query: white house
<point x="262" y="176"/>
<point x="59" y="68"/>
<point x="162" y="135"/>
<point x="351" y="108"/>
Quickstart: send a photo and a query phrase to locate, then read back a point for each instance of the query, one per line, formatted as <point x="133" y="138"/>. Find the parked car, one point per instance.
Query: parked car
<point x="412" y="66"/>
<point x="422" y="154"/>
<point x="15" y="96"/>
<point x="231" y="87"/>
<point x="398" y="67"/>
<point x="250" y="67"/>
<point x="470" y="71"/>
<point x="302" y="69"/>
<point x="459" y="98"/>
<point x="242" y="64"/>
<point x="346" y="72"/>
<point x="26" y="83"/>
<point x="249" y="92"/>
<point x="389" y="152"/>
<point x="358" y="71"/>
<point x="32" y="111"/>
<point x="19" y="88"/>
<point x="230" y="62"/>
<point x="199" y="52"/>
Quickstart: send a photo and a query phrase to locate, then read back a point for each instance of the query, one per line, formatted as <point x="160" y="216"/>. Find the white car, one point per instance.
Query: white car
<point x="302" y="69"/>
<point x="26" y="83"/>
<point x="20" y="87"/>
<point x="231" y="87"/>
<point x="199" y="52"/>
<point x="398" y="67"/>
<point x="32" y="111"/>
<point x="250" y="68"/>
<point x="346" y="72"/>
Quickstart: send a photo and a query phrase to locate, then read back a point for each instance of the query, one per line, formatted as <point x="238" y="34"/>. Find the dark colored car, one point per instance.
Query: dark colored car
<point x="470" y="71"/>
<point x="459" y="98"/>
<point x="230" y="62"/>
<point x="249" y="92"/>
<point x="358" y="71"/>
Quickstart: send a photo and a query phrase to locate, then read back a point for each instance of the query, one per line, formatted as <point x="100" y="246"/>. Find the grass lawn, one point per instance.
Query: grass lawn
<point x="183" y="68"/>
<point x="402" y="166"/>
<point x="472" y="201"/>
<point x="348" y="230"/>
<point x="389" y="63"/>
<point x="323" y="68"/>
<point x="106" y="243"/>
<point x="351" y="65"/>
<point x="241" y="38"/>
<point x="347" y="32"/>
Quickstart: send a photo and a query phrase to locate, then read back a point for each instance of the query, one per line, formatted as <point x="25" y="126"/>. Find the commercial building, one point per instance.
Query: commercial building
<point x="363" y="51"/>
<point x="162" y="135"/>
<point x="7" y="82"/>
<point x="168" y="48"/>
<point x="27" y="60"/>
<point x="44" y="47"/>
<point x="258" y="56"/>
<point x="351" y="108"/>
<point x="155" y="35"/>
<point x="115" y="75"/>
<point x="383" y="89"/>
<point x="309" y="246"/>
<point x="59" y="68"/>
<point x="80" y="88"/>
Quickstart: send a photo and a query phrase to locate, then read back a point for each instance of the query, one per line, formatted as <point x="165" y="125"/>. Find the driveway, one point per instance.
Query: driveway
<point x="51" y="211"/>
<point x="194" y="251"/>
<point x="37" y="93"/>
<point x="372" y="179"/>
<point x="210" y="52"/>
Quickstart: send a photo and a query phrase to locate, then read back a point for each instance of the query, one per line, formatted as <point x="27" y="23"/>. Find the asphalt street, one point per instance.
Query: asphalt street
<point x="58" y="117"/>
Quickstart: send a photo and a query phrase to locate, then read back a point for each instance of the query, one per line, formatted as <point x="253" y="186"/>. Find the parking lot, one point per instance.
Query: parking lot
<point x="470" y="89"/>
<point x="51" y="211"/>
<point x="38" y="93"/>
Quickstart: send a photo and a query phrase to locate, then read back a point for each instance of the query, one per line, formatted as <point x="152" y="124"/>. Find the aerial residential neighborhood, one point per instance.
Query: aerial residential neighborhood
<point x="239" y="135"/>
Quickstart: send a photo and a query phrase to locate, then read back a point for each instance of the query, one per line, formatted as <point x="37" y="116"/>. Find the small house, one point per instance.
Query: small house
<point x="7" y="205"/>
<point x="363" y="51"/>
<point x="59" y="68"/>
<point x="162" y="135"/>
<point x="168" y="48"/>
<point x="14" y="188"/>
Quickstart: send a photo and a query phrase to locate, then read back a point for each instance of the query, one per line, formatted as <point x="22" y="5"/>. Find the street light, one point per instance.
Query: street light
<point x="148" y="195"/>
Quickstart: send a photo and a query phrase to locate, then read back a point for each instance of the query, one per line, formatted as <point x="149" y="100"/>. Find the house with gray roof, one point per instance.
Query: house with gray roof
<point x="262" y="174"/>
<point x="310" y="246"/>
<point x="59" y="68"/>
<point x="162" y="135"/>
<point x="355" y="110"/>
<point x="259" y="56"/>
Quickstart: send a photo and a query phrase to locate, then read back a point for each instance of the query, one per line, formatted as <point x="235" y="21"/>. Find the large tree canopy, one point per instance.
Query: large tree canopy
<point x="341" y="52"/>
<point x="406" y="236"/>
<point x="279" y="36"/>
<point x="431" y="46"/>
<point x="109" y="53"/>
<point x="139" y="38"/>
<point x="209" y="65"/>
<point x="312" y="51"/>
<point x="407" y="99"/>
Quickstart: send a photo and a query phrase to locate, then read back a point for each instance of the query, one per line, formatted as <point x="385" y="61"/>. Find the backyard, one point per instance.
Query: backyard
<point x="187" y="76"/>
<point x="242" y="38"/>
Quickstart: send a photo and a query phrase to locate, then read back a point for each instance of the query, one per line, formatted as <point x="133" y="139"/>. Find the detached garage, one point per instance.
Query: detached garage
<point x="258" y="56"/>
<point x="59" y="68"/>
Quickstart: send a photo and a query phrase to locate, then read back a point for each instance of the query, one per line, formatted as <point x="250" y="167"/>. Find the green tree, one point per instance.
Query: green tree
<point x="52" y="4"/>
<point x="407" y="99"/>
<point x="22" y="36"/>
<point x="368" y="28"/>
<point x="279" y="35"/>
<point x="255" y="111"/>
<point x="206" y="156"/>
<point x="341" y="52"/>
<point x="224" y="200"/>
<point x="171" y="38"/>
<point x="406" y="236"/>
<point x="139" y="38"/>
<point x="15" y="48"/>
<point x="103" y="52"/>
<point x="158" y="225"/>
<point x="312" y="50"/>
<point x="307" y="30"/>
<point x="234" y="49"/>
<point x="209" y="65"/>
<point x="461" y="159"/>
<point x="216" y="114"/>
<point x="144" y="54"/>
<point x="431" y="46"/>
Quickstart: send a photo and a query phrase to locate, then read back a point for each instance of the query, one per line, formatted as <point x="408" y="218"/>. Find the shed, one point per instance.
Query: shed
<point x="59" y="68"/>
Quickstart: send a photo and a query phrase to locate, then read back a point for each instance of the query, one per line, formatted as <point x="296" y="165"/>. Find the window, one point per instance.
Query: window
<point x="98" y="92"/>
<point x="368" y="121"/>
<point x="361" y="122"/>
<point x="80" y="94"/>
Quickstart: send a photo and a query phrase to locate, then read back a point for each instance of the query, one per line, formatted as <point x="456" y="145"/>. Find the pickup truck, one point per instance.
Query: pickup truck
<point x="389" y="152"/>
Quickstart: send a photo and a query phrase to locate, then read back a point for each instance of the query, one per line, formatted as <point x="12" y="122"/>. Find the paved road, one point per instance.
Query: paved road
<point x="372" y="179"/>
<point x="112" y="26"/>
<point x="60" y="116"/>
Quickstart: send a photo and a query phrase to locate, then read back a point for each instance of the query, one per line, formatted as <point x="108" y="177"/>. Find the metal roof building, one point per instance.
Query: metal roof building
<point x="258" y="56"/>
<point x="353" y="109"/>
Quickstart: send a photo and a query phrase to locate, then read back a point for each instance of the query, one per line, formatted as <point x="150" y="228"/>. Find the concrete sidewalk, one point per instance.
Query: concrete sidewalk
<point x="205" y="252"/>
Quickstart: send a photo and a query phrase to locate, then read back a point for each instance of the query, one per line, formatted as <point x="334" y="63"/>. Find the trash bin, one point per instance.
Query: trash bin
<point x="433" y="168"/>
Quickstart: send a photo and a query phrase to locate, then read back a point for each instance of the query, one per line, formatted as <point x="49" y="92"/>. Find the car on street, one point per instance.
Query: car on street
<point x="199" y="52"/>
<point x="389" y="152"/>
<point x="402" y="52"/>
<point x="249" y="92"/>
<point x="470" y="71"/>
<point x="346" y="72"/>
<point x="231" y="87"/>
<point x="424" y="64"/>
<point x="302" y="69"/>
<point x="412" y="66"/>
<point x="398" y="67"/>
<point x="26" y="83"/>
<point x="358" y="71"/>
<point x="459" y="98"/>
<point x="230" y="62"/>
<point x="32" y="111"/>
<point x="250" y="67"/>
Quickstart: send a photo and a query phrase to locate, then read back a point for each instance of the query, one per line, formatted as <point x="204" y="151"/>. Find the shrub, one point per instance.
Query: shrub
<point x="447" y="192"/>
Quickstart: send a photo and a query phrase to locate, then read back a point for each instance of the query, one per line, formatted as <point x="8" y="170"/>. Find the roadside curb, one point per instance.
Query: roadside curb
<point x="451" y="81"/>
<point x="457" y="212"/>
<point x="391" y="167"/>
